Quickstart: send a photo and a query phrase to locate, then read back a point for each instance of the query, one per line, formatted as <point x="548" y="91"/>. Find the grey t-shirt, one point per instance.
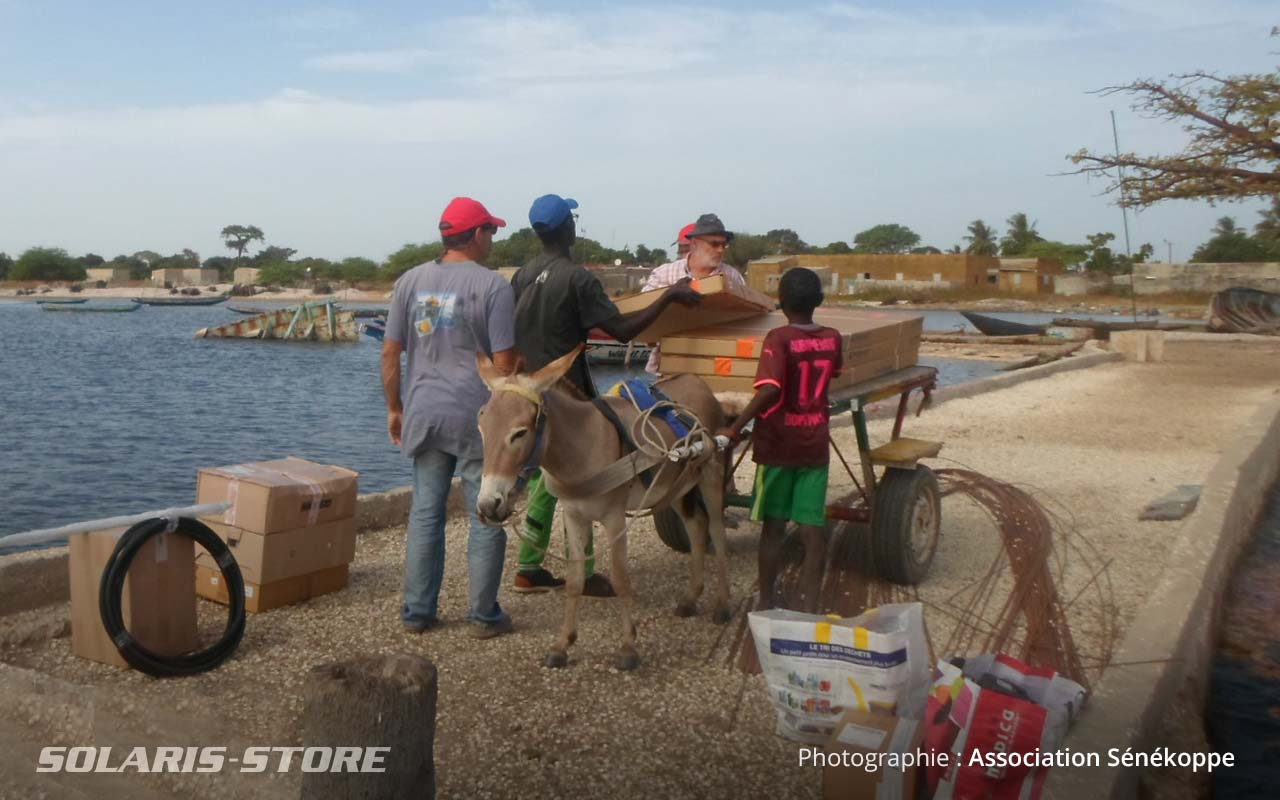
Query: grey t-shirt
<point x="443" y="313"/>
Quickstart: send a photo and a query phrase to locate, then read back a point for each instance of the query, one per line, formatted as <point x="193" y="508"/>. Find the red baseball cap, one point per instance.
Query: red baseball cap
<point x="684" y="233"/>
<point x="462" y="214"/>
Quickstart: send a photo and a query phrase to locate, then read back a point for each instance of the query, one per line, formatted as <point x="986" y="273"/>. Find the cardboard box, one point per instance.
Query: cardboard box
<point x="270" y="557"/>
<point x="264" y="597"/>
<point x="871" y="732"/>
<point x="273" y="496"/>
<point x="875" y="343"/>
<point x="721" y="302"/>
<point x="157" y="603"/>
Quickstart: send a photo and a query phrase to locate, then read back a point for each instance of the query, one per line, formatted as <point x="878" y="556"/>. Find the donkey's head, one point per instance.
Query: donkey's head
<point x="511" y="425"/>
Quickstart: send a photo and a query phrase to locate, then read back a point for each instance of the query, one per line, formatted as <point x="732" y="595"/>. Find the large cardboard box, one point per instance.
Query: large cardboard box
<point x="726" y="356"/>
<point x="273" y="496"/>
<point x="157" y="603"/>
<point x="264" y="597"/>
<point x="866" y="732"/>
<point x="721" y="302"/>
<point x="270" y="557"/>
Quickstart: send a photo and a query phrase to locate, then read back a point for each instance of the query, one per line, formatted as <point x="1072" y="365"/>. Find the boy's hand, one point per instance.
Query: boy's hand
<point x="729" y="433"/>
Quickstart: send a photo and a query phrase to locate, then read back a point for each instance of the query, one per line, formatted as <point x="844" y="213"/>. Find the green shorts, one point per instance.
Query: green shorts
<point x="795" y="493"/>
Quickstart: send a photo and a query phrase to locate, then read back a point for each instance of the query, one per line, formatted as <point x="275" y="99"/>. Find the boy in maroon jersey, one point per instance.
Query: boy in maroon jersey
<point x="797" y="363"/>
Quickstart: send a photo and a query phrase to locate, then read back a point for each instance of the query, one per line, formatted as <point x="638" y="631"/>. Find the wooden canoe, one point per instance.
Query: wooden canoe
<point x="309" y="322"/>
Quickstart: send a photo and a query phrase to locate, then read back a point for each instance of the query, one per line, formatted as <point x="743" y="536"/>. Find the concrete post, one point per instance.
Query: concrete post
<point x="379" y="701"/>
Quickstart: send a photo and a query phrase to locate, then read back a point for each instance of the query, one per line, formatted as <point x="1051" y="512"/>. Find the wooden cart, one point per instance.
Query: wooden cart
<point x="901" y="504"/>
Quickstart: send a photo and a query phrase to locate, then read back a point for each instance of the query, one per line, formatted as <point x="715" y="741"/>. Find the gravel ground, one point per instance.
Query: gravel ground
<point x="1100" y="442"/>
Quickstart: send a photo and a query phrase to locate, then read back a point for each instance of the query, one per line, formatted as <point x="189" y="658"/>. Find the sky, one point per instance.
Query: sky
<point x="343" y="129"/>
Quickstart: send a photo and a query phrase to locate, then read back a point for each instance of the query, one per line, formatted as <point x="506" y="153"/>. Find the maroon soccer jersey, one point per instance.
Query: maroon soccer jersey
<point x="801" y="361"/>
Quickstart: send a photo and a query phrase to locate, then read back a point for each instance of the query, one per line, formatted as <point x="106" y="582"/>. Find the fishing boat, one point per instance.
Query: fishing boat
<point x="1242" y="310"/>
<point x="610" y="353"/>
<point x="319" y="321"/>
<point x="62" y="302"/>
<point x="181" y="301"/>
<point x="991" y="326"/>
<point x="377" y="328"/>
<point x="367" y="313"/>
<point x="93" y="309"/>
<point x="1108" y="325"/>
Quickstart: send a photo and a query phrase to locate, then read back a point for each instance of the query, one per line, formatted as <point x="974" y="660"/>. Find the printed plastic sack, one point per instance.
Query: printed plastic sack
<point x="994" y="706"/>
<point x="817" y="666"/>
<point x="1061" y="696"/>
<point x="994" y="724"/>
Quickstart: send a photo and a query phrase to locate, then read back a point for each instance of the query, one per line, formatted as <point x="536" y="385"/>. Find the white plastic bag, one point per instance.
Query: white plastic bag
<point x="817" y="666"/>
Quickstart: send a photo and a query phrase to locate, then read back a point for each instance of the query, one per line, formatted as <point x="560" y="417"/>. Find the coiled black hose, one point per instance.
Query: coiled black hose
<point x="109" y="591"/>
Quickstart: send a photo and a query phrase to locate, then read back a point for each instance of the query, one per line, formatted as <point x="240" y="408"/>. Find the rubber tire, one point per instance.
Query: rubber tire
<point x="671" y="530"/>
<point x="896" y="498"/>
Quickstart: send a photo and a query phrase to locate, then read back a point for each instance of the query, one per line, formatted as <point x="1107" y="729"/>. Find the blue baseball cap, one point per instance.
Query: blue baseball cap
<point x="550" y="211"/>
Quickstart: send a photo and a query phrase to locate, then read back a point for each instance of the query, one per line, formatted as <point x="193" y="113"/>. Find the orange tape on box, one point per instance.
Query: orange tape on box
<point x="746" y="348"/>
<point x="724" y="366"/>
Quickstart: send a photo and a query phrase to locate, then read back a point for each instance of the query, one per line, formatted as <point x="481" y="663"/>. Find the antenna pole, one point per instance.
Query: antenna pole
<point x="1124" y="213"/>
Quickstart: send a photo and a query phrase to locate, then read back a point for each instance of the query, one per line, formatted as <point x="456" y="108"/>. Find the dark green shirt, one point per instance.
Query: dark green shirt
<point x="558" y="302"/>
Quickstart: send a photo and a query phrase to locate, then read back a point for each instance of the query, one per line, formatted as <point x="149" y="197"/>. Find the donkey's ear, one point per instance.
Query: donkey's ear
<point x="489" y="373"/>
<point x="549" y="375"/>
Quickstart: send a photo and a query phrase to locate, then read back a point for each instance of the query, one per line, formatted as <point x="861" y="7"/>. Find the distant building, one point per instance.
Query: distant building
<point x="114" y="276"/>
<point x="1156" y="278"/>
<point x="1025" y="275"/>
<point x="194" y="276"/>
<point x="853" y="273"/>
<point x="246" y="276"/>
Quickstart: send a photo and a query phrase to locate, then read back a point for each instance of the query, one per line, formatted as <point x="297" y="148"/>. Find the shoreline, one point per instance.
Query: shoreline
<point x="1037" y="304"/>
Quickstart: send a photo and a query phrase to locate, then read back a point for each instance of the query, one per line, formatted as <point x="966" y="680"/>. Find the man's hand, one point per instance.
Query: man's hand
<point x="395" y="419"/>
<point x="732" y="435"/>
<point x="683" y="293"/>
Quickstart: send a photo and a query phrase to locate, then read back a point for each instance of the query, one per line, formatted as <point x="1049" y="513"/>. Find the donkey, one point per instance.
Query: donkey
<point x="579" y="442"/>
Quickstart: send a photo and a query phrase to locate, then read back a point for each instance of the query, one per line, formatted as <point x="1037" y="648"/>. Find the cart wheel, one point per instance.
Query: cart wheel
<point x="905" y="525"/>
<point x="671" y="530"/>
<point x="672" y="533"/>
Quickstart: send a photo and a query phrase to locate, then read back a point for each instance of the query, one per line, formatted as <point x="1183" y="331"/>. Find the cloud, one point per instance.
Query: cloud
<point x="384" y="61"/>
<point x="821" y="118"/>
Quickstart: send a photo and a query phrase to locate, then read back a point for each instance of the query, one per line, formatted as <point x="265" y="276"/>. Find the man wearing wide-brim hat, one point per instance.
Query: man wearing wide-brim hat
<point x="708" y="241"/>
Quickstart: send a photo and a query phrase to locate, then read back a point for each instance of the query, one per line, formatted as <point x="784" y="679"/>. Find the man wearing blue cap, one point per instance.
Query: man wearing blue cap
<point x="558" y="302"/>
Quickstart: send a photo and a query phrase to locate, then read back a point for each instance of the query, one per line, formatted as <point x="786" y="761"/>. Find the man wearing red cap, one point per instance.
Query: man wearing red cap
<point x="708" y="241"/>
<point x="442" y="313"/>
<point x="683" y="245"/>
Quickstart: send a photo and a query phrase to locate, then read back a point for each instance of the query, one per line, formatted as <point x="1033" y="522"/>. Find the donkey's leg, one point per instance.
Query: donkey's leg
<point x="695" y="523"/>
<point x="712" y="485"/>
<point x="577" y="529"/>
<point x="614" y="525"/>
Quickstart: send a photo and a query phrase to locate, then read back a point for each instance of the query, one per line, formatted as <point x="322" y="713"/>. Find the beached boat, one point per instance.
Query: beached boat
<point x="991" y="326"/>
<point x="61" y="302"/>
<point x="1242" y="310"/>
<point x="377" y="328"/>
<point x="611" y="353"/>
<point x="1111" y="326"/>
<point x="92" y="309"/>
<point x="366" y="313"/>
<point x="309" y="322"/>
<point x="181" y="301"/>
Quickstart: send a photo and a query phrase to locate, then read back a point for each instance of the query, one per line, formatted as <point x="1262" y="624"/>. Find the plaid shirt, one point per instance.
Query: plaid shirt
<point x="669" y="274"/>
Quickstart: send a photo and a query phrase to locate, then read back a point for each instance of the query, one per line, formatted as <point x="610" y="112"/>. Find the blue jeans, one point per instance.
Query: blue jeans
<point x="433" y="472"/>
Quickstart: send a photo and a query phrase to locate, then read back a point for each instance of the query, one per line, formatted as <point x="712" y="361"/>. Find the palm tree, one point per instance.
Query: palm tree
<point x="981" y="239"/>
<point x="1226" y="226"/>
<point x="1269" y="228"/>
<point x="1021" y="235"/>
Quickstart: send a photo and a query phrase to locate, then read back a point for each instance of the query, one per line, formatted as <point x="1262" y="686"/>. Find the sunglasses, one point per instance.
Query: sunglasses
<point x="716" y="244"/>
